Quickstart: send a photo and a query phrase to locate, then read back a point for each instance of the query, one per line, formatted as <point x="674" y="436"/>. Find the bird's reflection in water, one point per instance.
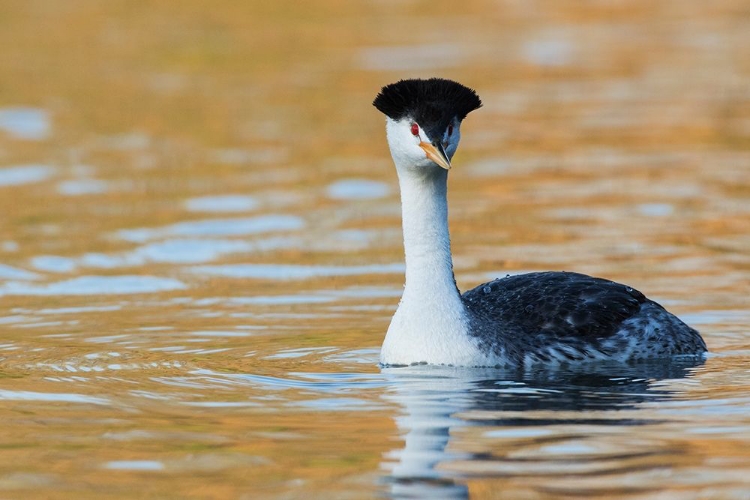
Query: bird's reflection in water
<point x="438" y="400"/>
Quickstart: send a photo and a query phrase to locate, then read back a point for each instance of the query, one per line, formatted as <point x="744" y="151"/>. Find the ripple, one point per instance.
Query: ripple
<point x="53" y="263"/>
<point x="712" y="317"/>
<point x="220" y="333"/>
<point x="269" y="300"/>
<point x="358" y="356"/>
<point x="518" y="433"/>
<point x="293" y="272"/>
<point x="140" y="465"/>
<point x="217" y="227"/>
<point x="6" y="395"/>
<point x="338" y="404"/>
<point x="13" y="273"/>
<point x="190" y="251"/>
<point x="79" y="310"/>
<point x="315" y="382"/>
<point x="24" y="174"/>
<point x="223" y="404"/>
<point x="358" y="189"/>
<point x="25" y="122"/>
<point x="300" y="353"/>
<point x="227" y="203"/>
<point x="80" y="187"/>
<point x="96" y="285"/>
<point x="183" y="251"/>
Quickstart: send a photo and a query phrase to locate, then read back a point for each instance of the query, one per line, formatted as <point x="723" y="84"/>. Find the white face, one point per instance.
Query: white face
<point x="405" y="137"/>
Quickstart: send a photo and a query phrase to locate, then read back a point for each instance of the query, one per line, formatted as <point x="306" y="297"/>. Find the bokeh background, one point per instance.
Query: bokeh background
<point x="200" y="234"/>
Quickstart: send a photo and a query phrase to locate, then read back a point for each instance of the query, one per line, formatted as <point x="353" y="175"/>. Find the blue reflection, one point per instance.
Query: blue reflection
<point x="437" y="402"/>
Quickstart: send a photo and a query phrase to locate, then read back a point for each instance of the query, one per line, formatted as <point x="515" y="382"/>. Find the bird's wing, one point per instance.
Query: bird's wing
<point x="555" y="305"/>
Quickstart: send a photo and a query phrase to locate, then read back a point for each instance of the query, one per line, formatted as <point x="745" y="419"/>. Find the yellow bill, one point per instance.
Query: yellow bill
<point x="436" y="153"/>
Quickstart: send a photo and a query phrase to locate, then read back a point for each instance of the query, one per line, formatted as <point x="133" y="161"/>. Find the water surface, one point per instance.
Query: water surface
<point x="200" y="247"/>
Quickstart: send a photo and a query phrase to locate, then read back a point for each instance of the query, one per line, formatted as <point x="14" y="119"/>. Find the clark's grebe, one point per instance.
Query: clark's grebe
<point x="522" y="320"/>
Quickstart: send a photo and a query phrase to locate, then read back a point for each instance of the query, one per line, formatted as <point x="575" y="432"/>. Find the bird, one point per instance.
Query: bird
<point x="551" y="318"/>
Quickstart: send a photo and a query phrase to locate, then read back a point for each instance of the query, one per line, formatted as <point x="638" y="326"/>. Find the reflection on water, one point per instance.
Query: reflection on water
<point x="13" y="273"/>
<point x="79" y="187"/>
<point x="24" y="174"/>
<point x="40" y="396"/>
<point x="353" y="189"/>
<point x="217" y="227"/>
<point x="25" y="122"/>
<point x="94" y="285"/>
<point x="532" y="408"/>
<point x="200" y="246"/>
<point x="294" y="272"/>
<point x="226" y="203"/>
<point x="134" y="465"/>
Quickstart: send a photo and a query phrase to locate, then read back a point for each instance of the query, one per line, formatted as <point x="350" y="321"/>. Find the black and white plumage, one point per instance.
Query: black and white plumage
<point x="522" y="320"/>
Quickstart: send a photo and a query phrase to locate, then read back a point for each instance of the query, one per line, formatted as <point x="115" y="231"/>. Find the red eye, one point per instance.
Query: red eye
<point x="450" y="130"/>
<point x="414" y="129"/>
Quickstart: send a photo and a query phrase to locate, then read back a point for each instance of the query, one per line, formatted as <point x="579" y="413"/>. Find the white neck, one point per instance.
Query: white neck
<point x="427" y="246"/>
<point x="431" y="323"/>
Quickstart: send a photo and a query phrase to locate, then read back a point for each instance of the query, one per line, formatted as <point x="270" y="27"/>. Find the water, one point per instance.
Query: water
<point x="200" y="248"/>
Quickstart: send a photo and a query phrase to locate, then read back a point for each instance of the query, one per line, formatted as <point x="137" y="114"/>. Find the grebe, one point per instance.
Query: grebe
<point x="517" y="321"/>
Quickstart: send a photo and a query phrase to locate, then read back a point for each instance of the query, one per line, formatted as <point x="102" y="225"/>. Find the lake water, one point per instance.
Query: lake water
<point x="200" y="247"/>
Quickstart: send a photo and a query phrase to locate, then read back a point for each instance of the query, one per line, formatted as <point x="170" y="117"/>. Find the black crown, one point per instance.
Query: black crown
<point x="431" y="103"/>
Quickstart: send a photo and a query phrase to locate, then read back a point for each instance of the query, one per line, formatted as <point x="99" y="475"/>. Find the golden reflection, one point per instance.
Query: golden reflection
<point x="613" y="141"/>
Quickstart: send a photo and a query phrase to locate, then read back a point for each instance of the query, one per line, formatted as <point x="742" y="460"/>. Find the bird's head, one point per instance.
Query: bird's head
<point x="423" y="120"/>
